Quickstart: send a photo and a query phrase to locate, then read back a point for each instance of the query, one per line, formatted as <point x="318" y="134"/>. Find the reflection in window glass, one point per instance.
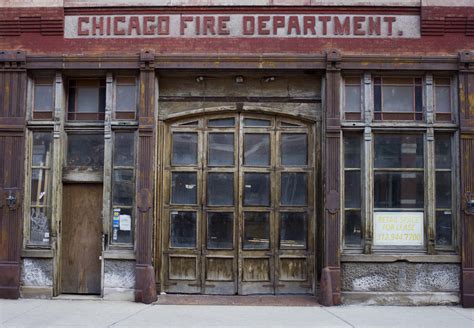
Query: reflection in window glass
<point x="183" y="229"/>
<point x="257" y="189"/>
<point x="88" y="100"/>
<point x="256" y="230"/>
<point x="294" y="189"/>
<point x="293" y="229"/>
<point x="444" y="228"/>
<point x="41" y="154"/>
<point x="221" y="122"/>
<point x="221" y="149"/>
<point x="397" y="98"/>
<point x="124" y="149"/>
<point x="85" y="150"/>
<point x="443" y="189"/>
<point x="352" y="228"/>
<point x="220" y="230"/>
<point x="125" y="98"/>
<point x="253" y="122"/>
<point x="184" y="188"/>
<point x="352" y="151"/>
<point x="442" y="99"/>
<point x="220" y="189"/>
<point x="257" y="149"/>
<point x="399" y="190"/>
<point x="443" y="151"/>
<point x="353" y="98"/>
<point x="398" y="151"/>
<point x="43" y="98"/>
<point x="352" y="189"/>
<point x="294" y="149"/>
<point x="184" y="148"/>
<point x="124" y="187"/>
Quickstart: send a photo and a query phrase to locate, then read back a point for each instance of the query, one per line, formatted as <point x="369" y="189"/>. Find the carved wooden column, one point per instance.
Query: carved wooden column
<point x="330" y="287"/>
<point x="145" y="287"/>
<point x="466" y="115"/>
<point x="13" y="85"/>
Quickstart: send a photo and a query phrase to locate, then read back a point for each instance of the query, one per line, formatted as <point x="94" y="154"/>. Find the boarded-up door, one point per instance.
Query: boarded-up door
<point x="81" y="239"/>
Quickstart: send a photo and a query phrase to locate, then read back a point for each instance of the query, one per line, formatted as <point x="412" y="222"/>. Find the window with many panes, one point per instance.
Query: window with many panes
<point x="352" y="189"/>
<point x="123" y="187"/>
<point x="124" y="91"/>
<point x="399" y="177"/>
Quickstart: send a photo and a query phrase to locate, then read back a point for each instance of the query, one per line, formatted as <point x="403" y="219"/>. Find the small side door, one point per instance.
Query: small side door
<point x="81" y="244"/>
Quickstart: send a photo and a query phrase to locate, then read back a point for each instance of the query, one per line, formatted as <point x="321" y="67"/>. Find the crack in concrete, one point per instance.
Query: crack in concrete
<point x="335" y="315"/>
<point x="17" y="316"/>
<point x="459" y="313"/>
<point x="131" y="315"/>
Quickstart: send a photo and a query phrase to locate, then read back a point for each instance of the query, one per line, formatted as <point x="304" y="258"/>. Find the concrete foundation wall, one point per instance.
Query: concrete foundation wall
<point x="119" y="280"/>
<point x="400" y="283"/>
<point x="36" y="280"/>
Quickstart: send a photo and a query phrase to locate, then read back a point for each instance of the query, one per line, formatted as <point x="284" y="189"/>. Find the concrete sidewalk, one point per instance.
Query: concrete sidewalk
<point x="99" y="313"/>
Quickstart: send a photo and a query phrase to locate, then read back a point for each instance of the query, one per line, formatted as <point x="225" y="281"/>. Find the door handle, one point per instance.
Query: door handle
<point x="11" y="200"/>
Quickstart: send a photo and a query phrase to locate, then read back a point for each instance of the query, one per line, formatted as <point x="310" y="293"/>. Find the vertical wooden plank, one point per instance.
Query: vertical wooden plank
<point x="145" y="288"/>
<point x="12" y="131"/>
<point x="330" y="287"/>
<point x="466" y="115"/>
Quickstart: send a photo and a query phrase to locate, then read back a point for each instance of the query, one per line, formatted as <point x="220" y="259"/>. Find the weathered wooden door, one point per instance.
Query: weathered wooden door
<point x="277" y="184"/>
<point x="12" y="153"/>
<point x="238" y="206"/>
<point x="81" y="239"/>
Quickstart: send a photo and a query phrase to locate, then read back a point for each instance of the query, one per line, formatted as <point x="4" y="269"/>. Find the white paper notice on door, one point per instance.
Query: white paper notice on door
<point x="125" y="222"/>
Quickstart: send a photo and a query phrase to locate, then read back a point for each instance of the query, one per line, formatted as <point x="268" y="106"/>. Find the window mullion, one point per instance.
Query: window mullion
<point x="367" y="182"/>
<point x="429" y="92"/>
<point x="106" y="206"/>
<point x="58" y="147"/>
<point x="368" y="98"/>
<point x="430" y="205"/>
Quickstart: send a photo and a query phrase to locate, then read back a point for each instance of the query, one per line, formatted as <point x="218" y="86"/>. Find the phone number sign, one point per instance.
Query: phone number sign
<point x="398" y="228"/>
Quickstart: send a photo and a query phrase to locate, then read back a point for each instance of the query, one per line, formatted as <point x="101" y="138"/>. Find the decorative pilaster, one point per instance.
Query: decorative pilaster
<point x="330" y="287"/>
<point x="145" y="287"/>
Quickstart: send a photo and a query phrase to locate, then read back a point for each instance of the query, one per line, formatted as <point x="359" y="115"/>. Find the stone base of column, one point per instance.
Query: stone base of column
<point x="145" y="287"/>
<point x="330" y="286"/>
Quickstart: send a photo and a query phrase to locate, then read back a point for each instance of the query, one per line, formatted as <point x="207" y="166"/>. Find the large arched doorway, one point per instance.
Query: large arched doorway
<point x="238" y="205"/>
